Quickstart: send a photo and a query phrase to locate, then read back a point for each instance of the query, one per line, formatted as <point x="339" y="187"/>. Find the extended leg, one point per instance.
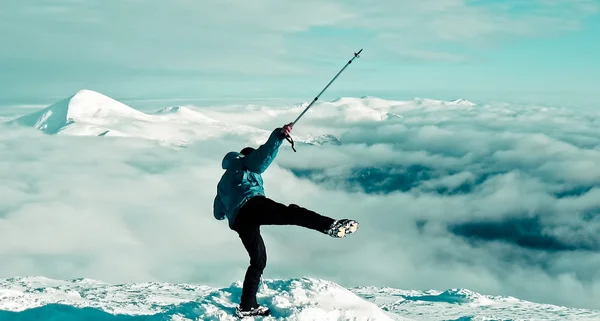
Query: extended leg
<point x="255" y="246"/>
<point x="265" y="211"/>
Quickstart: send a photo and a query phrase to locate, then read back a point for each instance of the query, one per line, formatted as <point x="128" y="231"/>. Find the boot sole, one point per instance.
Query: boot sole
<point x="261" y="314"/>
<point x="349" y="228"/>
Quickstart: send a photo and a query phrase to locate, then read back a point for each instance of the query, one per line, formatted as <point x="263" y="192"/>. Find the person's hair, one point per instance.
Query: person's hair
<point x="247" y="150"/>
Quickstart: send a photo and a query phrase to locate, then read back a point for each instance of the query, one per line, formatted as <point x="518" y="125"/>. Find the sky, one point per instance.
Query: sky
<point x="539" y="50"/>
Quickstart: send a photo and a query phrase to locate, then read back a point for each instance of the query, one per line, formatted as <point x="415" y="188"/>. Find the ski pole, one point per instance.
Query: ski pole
<point x="356" y="55"/>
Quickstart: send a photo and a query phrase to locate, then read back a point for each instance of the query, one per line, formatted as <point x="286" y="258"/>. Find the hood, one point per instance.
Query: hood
<point x="228" y="158"/>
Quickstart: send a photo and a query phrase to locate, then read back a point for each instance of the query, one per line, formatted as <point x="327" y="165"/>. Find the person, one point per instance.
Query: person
<point x="241" y="199"/>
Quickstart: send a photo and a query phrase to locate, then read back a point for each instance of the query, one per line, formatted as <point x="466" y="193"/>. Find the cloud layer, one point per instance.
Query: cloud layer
<point x="499" y="198"/>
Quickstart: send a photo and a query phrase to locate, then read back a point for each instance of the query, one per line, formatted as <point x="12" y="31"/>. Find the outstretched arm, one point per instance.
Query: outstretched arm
<point x="259" y="160"/>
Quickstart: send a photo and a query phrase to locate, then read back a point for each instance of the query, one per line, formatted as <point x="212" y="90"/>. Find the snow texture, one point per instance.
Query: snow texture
<point x="300" y="299"/>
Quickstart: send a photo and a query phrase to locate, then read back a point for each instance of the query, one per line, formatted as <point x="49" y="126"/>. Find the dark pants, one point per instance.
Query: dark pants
<point x="259" y="211"/>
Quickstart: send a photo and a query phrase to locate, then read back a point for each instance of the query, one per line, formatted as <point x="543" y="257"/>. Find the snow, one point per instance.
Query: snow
<point x="75" y="110"/>
<point x="348" y="110"/>
<point x="301" y="299"/>
<point x="296" y="299"/>
<point x="89" y="113"/>
<point x="462" y="304"/>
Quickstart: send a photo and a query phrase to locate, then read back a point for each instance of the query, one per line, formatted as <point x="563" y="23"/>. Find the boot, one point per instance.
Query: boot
<point x="341" y="228"/>
<point x="258" y="311"/>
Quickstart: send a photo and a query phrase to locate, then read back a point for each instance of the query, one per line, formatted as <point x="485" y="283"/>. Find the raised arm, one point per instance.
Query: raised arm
<point x="259" y="160"/>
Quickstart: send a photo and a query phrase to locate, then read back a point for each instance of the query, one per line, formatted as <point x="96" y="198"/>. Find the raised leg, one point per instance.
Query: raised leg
<point x="265" y="211"/>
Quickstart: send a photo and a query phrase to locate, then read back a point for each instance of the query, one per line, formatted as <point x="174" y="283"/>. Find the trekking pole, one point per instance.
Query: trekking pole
<point x="289" y="138"/>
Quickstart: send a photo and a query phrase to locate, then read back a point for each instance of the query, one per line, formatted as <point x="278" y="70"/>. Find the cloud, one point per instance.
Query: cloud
<point x="76" y="210"/>
<point x="495" y="198"/>
<point x="487" y="176"/>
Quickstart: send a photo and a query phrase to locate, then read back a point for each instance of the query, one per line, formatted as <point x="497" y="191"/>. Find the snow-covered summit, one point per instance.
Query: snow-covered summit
<point x="182" y="112"/>
<point x="77" y="110"/>
<point x="295" y="299"/>
<point x="434" y="102"/>
<point x="89" y="113"/>
<point x="347" y="110"/>
<point x="461" y="101"/>
<point x="305" y="299"/>
<point x="380" y="103"/>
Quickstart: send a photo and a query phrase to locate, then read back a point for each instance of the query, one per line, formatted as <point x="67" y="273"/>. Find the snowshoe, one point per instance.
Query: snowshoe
<point x="258" y="311"/>
<point x="343" y="227"/>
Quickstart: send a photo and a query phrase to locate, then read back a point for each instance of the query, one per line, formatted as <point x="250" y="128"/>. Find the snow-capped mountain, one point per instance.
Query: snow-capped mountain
<point x="295" y="299"/>
<point x="89" y="113"/>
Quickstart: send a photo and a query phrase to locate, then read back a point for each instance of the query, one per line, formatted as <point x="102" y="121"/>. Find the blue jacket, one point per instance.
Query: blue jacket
<point x="242" y="178"/>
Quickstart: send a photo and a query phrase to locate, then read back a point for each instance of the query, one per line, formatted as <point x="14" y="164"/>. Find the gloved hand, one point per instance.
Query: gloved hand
<point x="285" y="133"/>
<point x="287" y="129"/>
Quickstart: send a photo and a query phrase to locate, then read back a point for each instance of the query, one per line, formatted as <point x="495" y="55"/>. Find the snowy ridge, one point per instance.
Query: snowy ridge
<point x="76" y="110"/>
<point x="89" y="113"/>
<point x="350" y="109"/>
<point x="182" y="113"/>
<point x="463" y="304"/>
<point x="302" y="299"/>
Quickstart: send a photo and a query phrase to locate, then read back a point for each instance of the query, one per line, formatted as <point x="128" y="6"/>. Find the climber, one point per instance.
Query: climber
<point x="241" y="198"/>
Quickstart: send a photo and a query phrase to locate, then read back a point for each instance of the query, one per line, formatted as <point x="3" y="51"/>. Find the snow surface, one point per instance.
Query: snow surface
<point x="297" y="299"/>
<point x="301" y="299"/>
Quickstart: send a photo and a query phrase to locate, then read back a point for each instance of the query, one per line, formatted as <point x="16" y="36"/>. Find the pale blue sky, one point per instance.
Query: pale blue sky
<point x="267" y="48"/>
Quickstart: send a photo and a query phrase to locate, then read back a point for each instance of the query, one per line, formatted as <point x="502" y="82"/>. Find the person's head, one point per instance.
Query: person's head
<point x="247" y="150"/>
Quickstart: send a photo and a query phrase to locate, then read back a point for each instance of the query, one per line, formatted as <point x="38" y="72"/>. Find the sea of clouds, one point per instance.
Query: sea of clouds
<point x="496" y="198"/>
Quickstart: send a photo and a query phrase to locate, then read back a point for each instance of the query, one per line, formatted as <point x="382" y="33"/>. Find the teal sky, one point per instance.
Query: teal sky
<point x="445" y="49"/>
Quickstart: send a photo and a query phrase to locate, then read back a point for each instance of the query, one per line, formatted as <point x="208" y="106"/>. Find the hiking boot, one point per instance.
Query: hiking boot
<point x="258" y="311"/>
<point x="341" y="228"/>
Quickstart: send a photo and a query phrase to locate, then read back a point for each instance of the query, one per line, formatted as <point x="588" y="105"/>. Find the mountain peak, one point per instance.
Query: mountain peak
<point x="81" y="107"/>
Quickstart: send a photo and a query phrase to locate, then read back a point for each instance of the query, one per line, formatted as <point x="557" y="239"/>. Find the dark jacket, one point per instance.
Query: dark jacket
<point x="242" y="179"/>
